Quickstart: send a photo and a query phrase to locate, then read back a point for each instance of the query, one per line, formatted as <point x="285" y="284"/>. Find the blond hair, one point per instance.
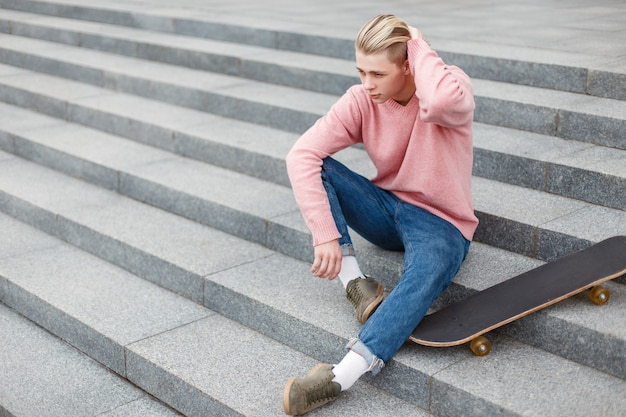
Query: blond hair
<point x="383" y="33"/>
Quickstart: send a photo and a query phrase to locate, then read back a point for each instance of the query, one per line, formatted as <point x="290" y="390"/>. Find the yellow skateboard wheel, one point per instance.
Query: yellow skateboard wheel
<point x="599" y="295"/>
<point x="480" y="346"/>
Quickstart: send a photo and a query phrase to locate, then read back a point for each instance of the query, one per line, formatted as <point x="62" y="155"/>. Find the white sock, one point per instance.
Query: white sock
<point x="349" y="370"/>
<point x="349" y="270"/>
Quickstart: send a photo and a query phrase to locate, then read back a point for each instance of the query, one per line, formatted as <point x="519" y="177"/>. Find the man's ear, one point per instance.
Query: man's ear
<point x="407" y="67"/>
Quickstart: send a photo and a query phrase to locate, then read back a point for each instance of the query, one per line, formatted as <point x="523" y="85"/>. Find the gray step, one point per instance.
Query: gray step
<point x="171" y="251"/>
<point x="600" y="184"/>
<point x="554" y="69"/>
<point x="160" y="342"/>
<point x="163" y="349"/>
<point x="121" y="234"/>
<point x="571" y="116"/>
<point x="206" y="194"/>
<point x="528" y="221"/>
<point x="520" y="158"/>
<point x="310" y="72"/>
<point x="554" y="113"/>
<point x="568" y="168"/>
<point x="44" y="376"/>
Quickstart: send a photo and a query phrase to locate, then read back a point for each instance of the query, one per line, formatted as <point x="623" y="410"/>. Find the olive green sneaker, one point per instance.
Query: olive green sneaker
<point x="365" y="294"/>
<point x="317" y="388"/>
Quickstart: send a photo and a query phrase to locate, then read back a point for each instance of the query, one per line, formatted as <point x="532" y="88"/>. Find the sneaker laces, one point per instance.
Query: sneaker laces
<point x="324" y="391"/>
<point x="356" y="294"/>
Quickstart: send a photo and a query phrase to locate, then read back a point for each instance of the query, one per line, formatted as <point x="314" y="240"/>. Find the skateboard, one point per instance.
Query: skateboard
<point x="470" y="318"/>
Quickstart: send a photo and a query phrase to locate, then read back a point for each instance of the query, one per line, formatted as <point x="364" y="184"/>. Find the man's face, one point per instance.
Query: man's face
<point x="381" y="78"/>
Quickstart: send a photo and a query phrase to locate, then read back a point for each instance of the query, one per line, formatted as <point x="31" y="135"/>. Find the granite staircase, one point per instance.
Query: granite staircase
<point x="153" y="260"/>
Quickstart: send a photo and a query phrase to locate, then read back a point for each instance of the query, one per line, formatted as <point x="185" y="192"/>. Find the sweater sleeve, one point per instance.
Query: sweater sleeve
<point x="338" y="129"/>
<point x="444" y="91"/>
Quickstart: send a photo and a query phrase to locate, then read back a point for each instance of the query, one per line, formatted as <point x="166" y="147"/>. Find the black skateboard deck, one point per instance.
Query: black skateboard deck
<point x="468" y="319"/>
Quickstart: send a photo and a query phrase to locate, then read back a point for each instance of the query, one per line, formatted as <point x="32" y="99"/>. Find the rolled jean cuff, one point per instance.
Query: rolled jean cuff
<point x="375" y="363"/>
<point x="347" y="250"/>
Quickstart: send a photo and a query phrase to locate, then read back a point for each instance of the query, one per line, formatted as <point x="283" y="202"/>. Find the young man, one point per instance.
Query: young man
<point x="413" y="114"/>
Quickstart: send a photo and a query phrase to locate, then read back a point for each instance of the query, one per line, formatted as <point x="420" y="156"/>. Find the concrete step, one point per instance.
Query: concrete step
<point x="568" y="168"/>
<point x="113" y="314"/>
<point x="44" y="376"/>
<point x="555" y="113"/>
<point x="590" y="173"/>
<point x="547" y="68"/>
<point x="144" y="333"/>
<point x="205" y="194"/>
<point x="293" y="69"/>
<point x="531" y="222"/>
<point x="172" y="122"/>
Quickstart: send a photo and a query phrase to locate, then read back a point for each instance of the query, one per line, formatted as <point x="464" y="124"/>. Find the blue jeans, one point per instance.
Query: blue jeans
<point x="433" y="248"/>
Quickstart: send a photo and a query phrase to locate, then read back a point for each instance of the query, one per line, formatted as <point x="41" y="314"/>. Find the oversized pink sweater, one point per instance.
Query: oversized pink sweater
<point x="422" y="151"/>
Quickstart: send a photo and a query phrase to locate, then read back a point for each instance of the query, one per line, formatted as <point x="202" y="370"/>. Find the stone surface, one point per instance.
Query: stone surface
<point x="170" y="362"/>
<point x="159" y="123"/>
<point x="109" y="307"/>
<point x="493" y="379"/>
<point x="602" y="327"/>
<point x="41" y="375"/>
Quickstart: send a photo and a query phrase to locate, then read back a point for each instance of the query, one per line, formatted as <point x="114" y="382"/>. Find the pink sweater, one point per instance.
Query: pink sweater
<point x="422" y="151"/>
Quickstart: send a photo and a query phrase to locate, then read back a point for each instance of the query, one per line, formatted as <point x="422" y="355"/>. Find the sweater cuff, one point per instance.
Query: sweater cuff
<point x="324" y="230"/>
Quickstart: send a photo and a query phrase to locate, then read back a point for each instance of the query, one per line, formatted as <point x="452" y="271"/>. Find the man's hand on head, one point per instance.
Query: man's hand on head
<point x="417" y="34"/>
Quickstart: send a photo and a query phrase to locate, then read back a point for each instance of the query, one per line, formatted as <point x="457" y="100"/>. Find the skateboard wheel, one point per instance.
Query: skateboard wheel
<point x="480" y="346"/>
<point x="599" y="295"/>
